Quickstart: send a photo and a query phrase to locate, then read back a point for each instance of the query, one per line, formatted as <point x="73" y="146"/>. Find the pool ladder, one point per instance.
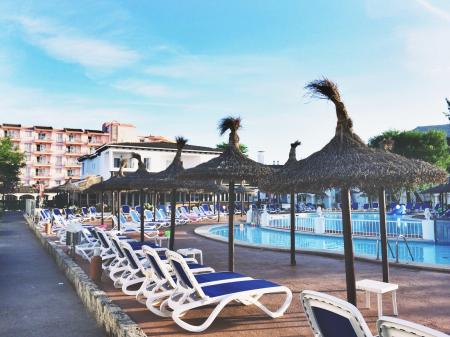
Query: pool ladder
<point x="396" y="255"/>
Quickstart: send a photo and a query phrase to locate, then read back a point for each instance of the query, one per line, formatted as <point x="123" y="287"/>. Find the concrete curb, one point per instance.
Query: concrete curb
<point x="107" y="314"/>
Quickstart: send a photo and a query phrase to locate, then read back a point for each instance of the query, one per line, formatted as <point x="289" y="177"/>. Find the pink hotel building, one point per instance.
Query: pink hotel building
<point x="52" y="154"/>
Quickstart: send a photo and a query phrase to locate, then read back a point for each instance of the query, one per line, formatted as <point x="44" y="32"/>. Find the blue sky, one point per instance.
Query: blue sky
<point x="176" y="67"/>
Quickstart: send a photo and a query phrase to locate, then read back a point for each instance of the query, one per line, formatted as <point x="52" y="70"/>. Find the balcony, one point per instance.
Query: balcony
<point x="73" y="154"/>
<point x="43" y="140"/>
<point x="42" y="151"/>
<point x="41" y="176"/>
<point x="14" y="137"/>
<point x="72" y="176"/>
<point x="72" y="164"/>
<point x="74" y="141"/>
<point x="41" y="163"/>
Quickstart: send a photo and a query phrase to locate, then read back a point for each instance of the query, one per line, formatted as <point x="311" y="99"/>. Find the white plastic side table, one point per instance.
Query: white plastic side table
<point x="192" y="252"/>
<point x="379" y="288"/>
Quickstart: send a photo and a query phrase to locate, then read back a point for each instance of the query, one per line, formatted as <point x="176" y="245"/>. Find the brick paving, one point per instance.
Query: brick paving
<point x="424" y="296"/>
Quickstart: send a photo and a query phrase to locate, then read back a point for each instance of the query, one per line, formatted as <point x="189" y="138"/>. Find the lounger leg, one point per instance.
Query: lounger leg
<point x="380" y="305"/>
<point x="394" y="302"/>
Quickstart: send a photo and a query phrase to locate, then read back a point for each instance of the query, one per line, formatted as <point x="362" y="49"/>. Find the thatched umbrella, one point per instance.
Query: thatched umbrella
<point x="347" y="162"/>
<point x="243" y="190"/>
<point x="68" y="187"/>
<point x="269" y="185"/>
<point x="168" y="180"/>
<point x="439" y="189"/>
<point x="113" y="184"/>
<point x="231" y="166"/>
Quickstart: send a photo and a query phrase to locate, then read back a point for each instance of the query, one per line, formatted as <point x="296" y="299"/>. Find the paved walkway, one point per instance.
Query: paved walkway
<point x="35" y="297"/>
<point x="424" y="296"/>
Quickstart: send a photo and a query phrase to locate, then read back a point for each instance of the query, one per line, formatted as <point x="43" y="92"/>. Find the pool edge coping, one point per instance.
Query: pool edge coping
<point x="203" y="231"/>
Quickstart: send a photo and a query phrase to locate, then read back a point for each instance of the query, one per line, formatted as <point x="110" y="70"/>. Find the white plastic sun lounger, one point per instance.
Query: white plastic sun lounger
<point x="394" y="327"/>
<point x="330" y="316"/>
<point x="190" y="294"/>
<point x="165" y="282"/>
<point x="134" y="280"/>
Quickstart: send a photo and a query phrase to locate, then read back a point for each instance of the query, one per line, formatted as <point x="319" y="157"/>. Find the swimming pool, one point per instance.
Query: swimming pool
<point x="423" y="252"/>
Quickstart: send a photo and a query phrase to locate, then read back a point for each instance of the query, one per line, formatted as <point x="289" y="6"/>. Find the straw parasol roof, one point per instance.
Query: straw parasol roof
<point x="443" y="188"/>
<point x="346" y="161"/>
<point x="231" y="165"/>
<point x="68" y="186"/>
<point x="168" y="178"/>
<point x="113" y="183"/>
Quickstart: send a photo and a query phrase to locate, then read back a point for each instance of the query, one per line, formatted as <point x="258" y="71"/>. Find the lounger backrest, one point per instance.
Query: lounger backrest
<point x="56" y="211"/>
<point x="148" y="214"/>
<point x="123" y="220"/>
<point x="184" y="275"/>
<point x="134" y="216"/>
<point x="125" y="209"/>
<point x="394" y="327"/>
<point x="131" y="256"/>
<point x="103" y="239"/>
<point x="116" y="244"/>
<point x="137" y="209"/>
<point x="84" y="211"/>
<point x="330" y="316"/>
<point x="159" y="268"/>
<point x="92" y="209"/>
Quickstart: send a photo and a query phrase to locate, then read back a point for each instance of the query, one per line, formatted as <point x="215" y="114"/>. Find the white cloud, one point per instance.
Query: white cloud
<point x="69" y="46"/>
<point x="436" y="11"/>
<point x="149" y="89"/>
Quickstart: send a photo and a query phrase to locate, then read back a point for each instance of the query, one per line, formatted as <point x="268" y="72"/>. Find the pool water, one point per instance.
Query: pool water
<point x="423" y="252"/>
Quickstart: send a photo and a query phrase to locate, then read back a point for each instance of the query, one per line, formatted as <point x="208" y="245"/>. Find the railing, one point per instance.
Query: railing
<point x="360" y="227"/>
<point x="282" y="221"/>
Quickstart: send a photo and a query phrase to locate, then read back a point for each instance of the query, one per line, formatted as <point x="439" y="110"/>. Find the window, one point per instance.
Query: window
<point x="90" y="139"/>
<point x="41" y="136"/>
<point x="116" y="162"/>
<point x="59" y="137"/>
<point x="147" y="162"/>
<point x="58" y="171"/>
<point x="40" y="147"/>
<point x="27" y="147"/>
<point x="70" y="172"/>
<point x="71" y="138"/>
<point x="28" y="134"/>
<point x="58" y="182"/>
<point x="58" y="160"/>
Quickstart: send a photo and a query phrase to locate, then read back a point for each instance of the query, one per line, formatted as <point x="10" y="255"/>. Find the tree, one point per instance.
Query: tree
<point x="11" y="161"/>
<point x="242" y="147"/>
<point x="430" y="146"/>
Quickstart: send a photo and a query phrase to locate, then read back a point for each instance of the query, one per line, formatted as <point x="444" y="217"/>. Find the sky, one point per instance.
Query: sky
<point x="176" y="67"/>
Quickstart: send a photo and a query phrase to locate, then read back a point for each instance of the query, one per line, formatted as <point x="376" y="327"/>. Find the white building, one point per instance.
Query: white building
<point x="157" y="156"/>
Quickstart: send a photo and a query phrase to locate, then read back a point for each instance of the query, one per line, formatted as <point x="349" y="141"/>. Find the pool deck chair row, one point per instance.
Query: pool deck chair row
<point x="329" y="316"/>
<point x="191" y="294"/>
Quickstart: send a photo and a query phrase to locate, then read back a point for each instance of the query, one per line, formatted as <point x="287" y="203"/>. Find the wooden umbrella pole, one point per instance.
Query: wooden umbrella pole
<point x="155" y="197"/>
<point x="118" y="210"/>
<point x="293" y="262"/>
<point x="141" y="203"/>
<point x="218" y="207"/>
<point x="189" y="202"/>
<point x="231" y="226"/>
<point x="214" y="202"/>
<point x="173" y="204"/>
<point x="348" y="246"/>
<point x="103" y="207"/>
<point x="383" y="234"/>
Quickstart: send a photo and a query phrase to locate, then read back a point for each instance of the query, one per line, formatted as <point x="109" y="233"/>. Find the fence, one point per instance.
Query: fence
<point x="360" y="227"/>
